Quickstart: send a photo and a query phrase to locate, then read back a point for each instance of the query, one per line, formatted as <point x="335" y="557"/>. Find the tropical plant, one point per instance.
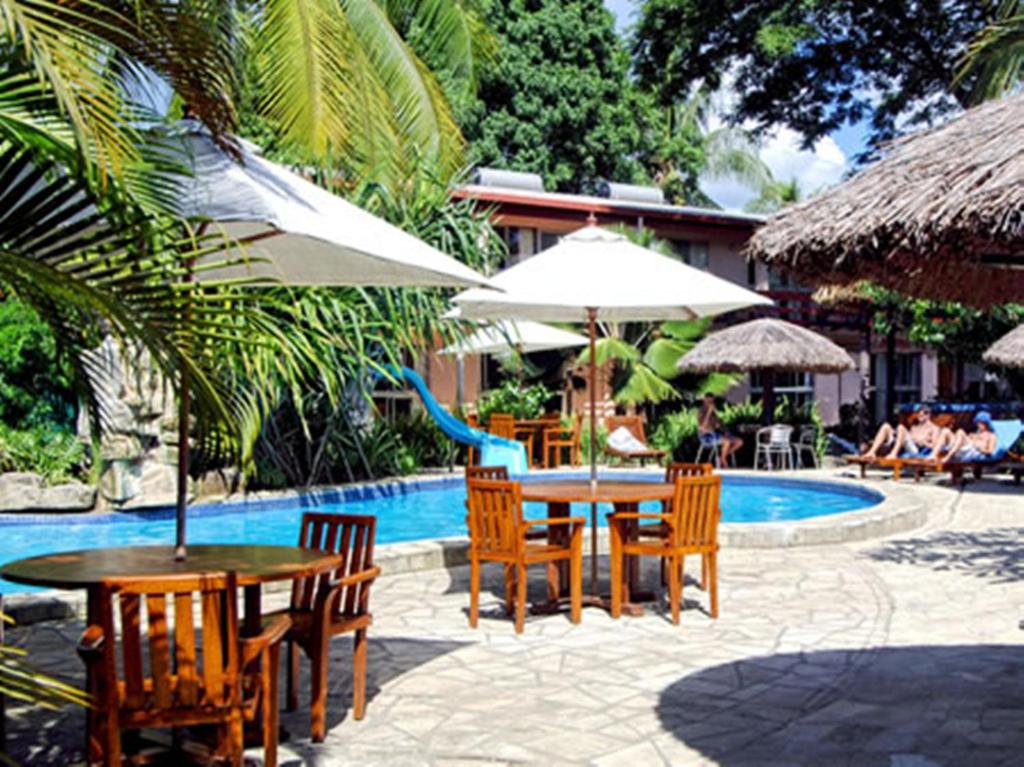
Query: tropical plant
<point x="812" y="65"/>
<point x="522" y="402"/>
<point x="35" y="383"/>
<point x="993" y="63"/>
<point x="775" y="195"/>
<point x="55" y="454"/>
<point x="693" y="149"/>
<point x="21" y="681"/>
<point x="558" y="99"/>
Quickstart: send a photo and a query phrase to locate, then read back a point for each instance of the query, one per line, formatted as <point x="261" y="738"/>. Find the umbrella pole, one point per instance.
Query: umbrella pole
<point x="181" y="505"/>
<point x="768" y="397"/>
<point x="592" y="332"/>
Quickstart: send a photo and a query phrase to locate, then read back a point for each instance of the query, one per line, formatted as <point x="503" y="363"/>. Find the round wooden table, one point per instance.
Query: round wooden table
<point x="625" y="496"/>
<point x="253" y="564"/>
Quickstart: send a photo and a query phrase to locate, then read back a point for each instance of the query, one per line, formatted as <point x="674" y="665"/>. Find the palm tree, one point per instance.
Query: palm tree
<point x="692" y="150"/>
<point x="993" y="63"/>
<point x="775" y="195"/>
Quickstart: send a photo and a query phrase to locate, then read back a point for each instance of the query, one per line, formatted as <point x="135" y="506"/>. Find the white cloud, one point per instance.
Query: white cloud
<point x="820" y="166"/>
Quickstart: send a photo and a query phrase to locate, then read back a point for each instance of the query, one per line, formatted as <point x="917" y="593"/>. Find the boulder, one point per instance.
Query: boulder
<point x="71" y="496"/>
<point x="19" y="490"/>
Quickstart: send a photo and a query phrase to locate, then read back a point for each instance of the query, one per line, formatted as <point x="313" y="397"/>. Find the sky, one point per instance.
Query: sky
<point x="822" y="165"/>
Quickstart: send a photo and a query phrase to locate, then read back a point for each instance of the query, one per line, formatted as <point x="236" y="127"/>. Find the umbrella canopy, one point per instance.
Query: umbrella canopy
<point x="505" y="336"/>
<point x="594" y="274"/>
<point x="766" y="344"/>
<point x="1008" y="351"/>
<point x="940" y="216"/>
<point x="593" y="268"/>
<point x="769" y="346"/>
<point x="297" y="233"/>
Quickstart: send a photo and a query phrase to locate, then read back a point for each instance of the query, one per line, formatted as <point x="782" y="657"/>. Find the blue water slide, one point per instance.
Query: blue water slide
<point x="494" y="451"/>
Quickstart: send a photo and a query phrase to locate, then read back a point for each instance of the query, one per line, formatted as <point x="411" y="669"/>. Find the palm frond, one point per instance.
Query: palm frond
<point x="992" y="64"/>
<point x="644" y="385"/>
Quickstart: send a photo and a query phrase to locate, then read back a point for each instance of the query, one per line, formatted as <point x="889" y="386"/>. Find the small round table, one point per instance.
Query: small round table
<point x="86" y="568"/>
<point x="625" y="496"/>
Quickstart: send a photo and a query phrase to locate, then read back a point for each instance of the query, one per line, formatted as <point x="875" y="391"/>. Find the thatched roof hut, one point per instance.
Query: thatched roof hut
<point x="940" y="216"/>
<point x="766" y="344"/>
<point x="1008" y="351"/>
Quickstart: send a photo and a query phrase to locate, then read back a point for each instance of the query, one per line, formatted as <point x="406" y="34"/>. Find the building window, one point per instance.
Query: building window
<point x="906" y="384"/>
<point x="693" y="253"/>
<point x="797" y="388"/>
<point x="547" y="240"/>
<point x="510" y="235"/>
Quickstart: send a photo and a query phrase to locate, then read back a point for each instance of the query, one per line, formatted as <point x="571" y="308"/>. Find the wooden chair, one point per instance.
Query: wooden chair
<point x="487" y="472"/>
<point x="691" y="527"/>
<point x="498" y="533"/>
<point x="557" y="438"/>
<point x="225" y="684"/>
<point x="324" y="606"/>
<point x="635" y="425"/>
<point x="504" y="425"/>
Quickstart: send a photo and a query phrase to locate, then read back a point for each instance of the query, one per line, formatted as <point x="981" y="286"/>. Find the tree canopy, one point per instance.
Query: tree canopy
<point x="813" y="65"/>
<point x="557" y="98"/>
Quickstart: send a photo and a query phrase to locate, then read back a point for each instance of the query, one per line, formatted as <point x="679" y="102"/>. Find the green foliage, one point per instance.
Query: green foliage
<point x="55" y="454"/>
<point x="35" y="385"/>
<point x="512" y="397"/>
<point x="676" y="434"/>
<point x="423" y="440"/>
<point x="995" y="57"/>
<point x="602" y="440"/>
<point x="813" y="65"/>
<point x="558" y="100"/>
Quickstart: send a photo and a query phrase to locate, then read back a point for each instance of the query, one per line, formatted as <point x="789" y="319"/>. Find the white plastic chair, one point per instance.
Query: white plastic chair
<point x="807" y="443"/>
<point x="713" y="450"/>
<point x="771" y="442"/>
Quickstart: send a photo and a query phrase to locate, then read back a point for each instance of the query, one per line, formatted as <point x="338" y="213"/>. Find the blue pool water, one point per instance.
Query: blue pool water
<point x="427" y="510"/>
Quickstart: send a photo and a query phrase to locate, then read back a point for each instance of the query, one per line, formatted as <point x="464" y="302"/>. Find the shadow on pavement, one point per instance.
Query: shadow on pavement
<point x="996" y="553"/>
<point x="920" y="705"/>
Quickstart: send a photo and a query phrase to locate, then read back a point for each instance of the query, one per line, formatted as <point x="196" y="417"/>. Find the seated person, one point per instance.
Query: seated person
<point x="918" y="441"/>
<point x="962" y="447"/>
<point x="711" y="431"/>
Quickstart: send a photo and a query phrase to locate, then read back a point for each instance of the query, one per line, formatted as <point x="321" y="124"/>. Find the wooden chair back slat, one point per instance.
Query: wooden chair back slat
<point x="487" y="472"/>
<point x="213" y="649"/>
<point x="131" y="649"/>
<point x="502" y="425"/>
<point x="675" y="470"/>
<point x="695" y="511"/>
<point x="350" y="535"/>
<point x="185" y="650"/>
<point x="495" y="516"/>
<point x="159" y="649"/>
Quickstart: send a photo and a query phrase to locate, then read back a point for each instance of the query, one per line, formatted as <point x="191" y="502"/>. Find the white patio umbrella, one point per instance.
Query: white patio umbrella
<point x="594" y="274"/>
<point x="292" y="232"/>
<point x="506" y="336"/>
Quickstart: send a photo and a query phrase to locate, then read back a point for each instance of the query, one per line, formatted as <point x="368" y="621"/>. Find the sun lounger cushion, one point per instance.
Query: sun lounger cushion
<point x="623" y="441"/>
<point x="1007" y="433"/>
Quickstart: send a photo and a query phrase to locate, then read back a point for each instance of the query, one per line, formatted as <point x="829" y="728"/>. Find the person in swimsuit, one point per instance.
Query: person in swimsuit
<point x="961" y="447"/>
<point x="711" y="431"/>
<point x="919" y="441"/>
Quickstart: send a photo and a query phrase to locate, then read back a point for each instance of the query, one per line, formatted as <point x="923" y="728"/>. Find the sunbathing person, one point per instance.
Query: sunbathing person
<point x="962" y="447"/>
<point x="916" y="442"/>
<point x="711" y="430"/>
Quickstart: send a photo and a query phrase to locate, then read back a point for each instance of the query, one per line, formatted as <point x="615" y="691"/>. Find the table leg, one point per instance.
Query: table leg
<point x="556" y="536"/>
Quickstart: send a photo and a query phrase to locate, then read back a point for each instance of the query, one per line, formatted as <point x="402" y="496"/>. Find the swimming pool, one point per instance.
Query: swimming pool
<point x="405" y="512"/>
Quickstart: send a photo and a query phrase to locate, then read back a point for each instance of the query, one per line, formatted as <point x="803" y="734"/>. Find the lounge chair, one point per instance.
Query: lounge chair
<point x="1007" y="433"/>
<point x="626" y="439"/>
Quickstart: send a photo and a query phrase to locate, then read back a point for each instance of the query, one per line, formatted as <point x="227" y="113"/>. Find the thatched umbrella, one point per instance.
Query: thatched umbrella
<point x="940" y="216"/>
<point x="769" y="346"/>
<point x="1008" y="351"/>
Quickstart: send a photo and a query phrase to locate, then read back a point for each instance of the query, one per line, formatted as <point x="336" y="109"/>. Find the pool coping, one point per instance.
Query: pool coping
<point x="899" y="510"/>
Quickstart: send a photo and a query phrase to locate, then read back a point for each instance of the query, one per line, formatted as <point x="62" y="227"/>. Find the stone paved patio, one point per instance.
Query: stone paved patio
<point x="903" y="652"/>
